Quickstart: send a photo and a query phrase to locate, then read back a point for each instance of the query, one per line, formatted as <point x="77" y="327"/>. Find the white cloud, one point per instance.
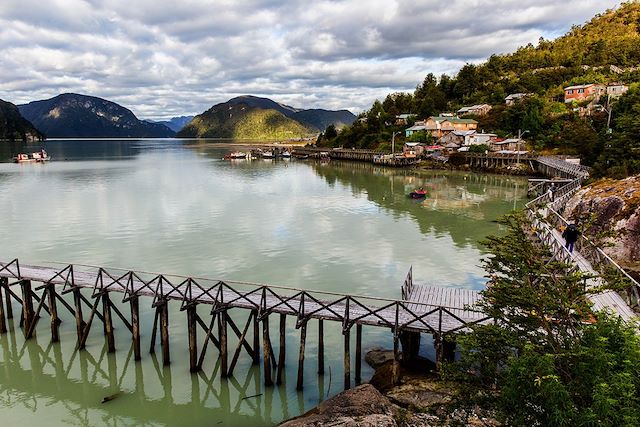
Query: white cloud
<point x="162" y="58"/>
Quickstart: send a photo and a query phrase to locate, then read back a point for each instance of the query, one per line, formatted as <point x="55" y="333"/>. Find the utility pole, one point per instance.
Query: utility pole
<point x="520" y="133"/>
<point x="393" y="142"/>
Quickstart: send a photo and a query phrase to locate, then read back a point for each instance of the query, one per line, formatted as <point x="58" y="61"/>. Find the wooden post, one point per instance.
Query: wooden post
<point x="53" y="310"/>
<point x="320" y="347"/>
<point x="135" y="326"/>
<point x="77" y="303"/>
<point x="438" y="347"/>
<point x="7" y="298"/>
<point x="164" y="332"/>
<point x="256" y="338"/>
<point x="193" y="341"/>
<point x="266" y="351"/>
<point x="282" y="351"/>
<point x="347" y="359"/>
<point x="222" y="332"/>
<point x="395" y="368"/>
<point x="358" y="354"/>
<point x="303" y="339"/>
<point x="108" y="322"/>
<point x="3" y="325"/>
<point x="27" y="304"/>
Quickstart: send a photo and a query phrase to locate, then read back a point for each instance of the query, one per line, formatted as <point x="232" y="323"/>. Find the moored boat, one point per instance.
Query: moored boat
<point x="37" y="156"/>
<point x="238" y="155"/>
<point x="267" y="155"/>
<point x="286" y="154"/>
<point x="420" y="193"/>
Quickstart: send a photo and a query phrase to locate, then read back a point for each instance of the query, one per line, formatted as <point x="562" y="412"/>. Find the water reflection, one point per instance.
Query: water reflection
<point x="96" y="387"/>
<point x="459" y="204"/>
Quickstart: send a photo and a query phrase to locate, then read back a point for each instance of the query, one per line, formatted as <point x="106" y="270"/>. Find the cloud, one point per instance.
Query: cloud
<point x="162" y="58"/>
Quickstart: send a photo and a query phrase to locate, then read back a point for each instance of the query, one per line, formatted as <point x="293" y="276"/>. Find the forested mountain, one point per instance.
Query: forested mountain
<point x="251" y="117"/>
<point x="14" y="127"/>
<point x="71" y="115"/>
<point x="604" y="50"/>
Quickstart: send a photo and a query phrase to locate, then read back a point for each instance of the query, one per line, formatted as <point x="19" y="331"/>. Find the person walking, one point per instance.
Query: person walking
<point x="570" y="235"/>
<point x="552" y="191"/>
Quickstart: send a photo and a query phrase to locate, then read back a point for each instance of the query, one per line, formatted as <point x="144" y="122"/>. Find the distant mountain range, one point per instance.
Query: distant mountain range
<point x="72" y="115"/>
<point x="175" y="123"/>
<point x="251" y="117"/>
<point x="14" y="127"/>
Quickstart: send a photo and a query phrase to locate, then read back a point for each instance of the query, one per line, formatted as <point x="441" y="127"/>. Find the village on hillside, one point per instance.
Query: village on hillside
<point x="447" y="133"/>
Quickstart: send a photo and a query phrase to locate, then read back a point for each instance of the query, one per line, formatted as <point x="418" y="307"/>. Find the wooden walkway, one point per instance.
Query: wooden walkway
<point x="546" y="221"/>
<point x="462" y="299"/>
<point x="93" y="287"/>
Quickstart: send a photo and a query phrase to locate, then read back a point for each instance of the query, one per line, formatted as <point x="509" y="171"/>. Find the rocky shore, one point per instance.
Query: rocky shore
<point x="421" y="399"/>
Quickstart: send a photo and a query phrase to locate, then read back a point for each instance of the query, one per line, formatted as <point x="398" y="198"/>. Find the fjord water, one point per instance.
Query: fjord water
<point x="172" y="206"/>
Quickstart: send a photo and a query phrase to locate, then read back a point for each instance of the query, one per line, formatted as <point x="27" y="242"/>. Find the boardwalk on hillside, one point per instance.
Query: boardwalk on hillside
<point x="608" y="300"/>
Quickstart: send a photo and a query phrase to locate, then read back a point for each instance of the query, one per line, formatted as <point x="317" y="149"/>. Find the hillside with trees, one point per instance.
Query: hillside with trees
<point x="14" y="127"/>
<point x="604" y="50"/>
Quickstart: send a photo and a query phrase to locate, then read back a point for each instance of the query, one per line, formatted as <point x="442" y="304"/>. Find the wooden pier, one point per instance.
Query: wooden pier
<point x="40" y="289"/>
<point x="337" y="153"/>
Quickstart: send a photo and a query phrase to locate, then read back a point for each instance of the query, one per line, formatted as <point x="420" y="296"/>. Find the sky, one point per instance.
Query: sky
<point x="163" y="58"/>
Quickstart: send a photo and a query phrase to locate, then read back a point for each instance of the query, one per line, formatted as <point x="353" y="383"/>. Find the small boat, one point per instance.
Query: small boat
<point x="238" y="155"/>
<point x="286" y="154"/>
<point x="37" y="156"/>
<point x="420" y="193"/>
<point x="267" y="155"/>
<point x="301" y="156"/>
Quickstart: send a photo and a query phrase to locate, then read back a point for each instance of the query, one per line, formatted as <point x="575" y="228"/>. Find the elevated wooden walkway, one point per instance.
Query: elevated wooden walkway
<point x="586" y="257"/>
<point x="258" y="300"/>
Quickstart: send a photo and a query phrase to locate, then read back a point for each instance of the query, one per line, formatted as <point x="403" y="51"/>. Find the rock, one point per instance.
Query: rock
<point x="362" y="406"/>
<point x="421" y="393"/>
<point x="377" y="357"/>
<point x="383" y="377"/>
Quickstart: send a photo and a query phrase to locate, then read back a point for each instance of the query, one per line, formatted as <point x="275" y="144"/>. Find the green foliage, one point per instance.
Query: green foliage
<point x="621" y="154"/>
<point x="547" y="363"/>
<point x="420" y="136"/>
<point x="479" y="148"/>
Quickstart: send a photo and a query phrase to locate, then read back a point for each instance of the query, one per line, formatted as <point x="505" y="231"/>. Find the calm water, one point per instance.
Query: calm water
<point x="157" y="205"/>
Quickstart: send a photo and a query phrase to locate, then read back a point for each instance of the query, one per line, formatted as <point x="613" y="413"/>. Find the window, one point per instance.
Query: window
<point x="570" y="92"/>
<point x="580" y="90"/>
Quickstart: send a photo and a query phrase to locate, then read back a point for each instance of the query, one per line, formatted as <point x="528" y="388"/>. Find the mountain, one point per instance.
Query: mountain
<point x="175" y="123"/>
<point x="321" y="119"/>
<point x="242" y="121"/>
<point x="252" y="117"/>
<point x="71" y="115"/>
<point x="15" y="127"/>
<point x="318" y="119"/>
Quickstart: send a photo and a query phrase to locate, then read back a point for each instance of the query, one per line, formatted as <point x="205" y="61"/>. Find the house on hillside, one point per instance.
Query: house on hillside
<point x="467" y="138"/>
<point x="515" y="97"/>
<point x="413" y="149"/>
<point x="615" y="90"/>
<point x="507" y="145"/>
<point x="441" y="125"/>
<point x="475" y="110"/>
<point x="402" y="119"/>
<point x="482" y="138"/>
<point x="417" y="127"/>
<point x="586" y="92"/>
